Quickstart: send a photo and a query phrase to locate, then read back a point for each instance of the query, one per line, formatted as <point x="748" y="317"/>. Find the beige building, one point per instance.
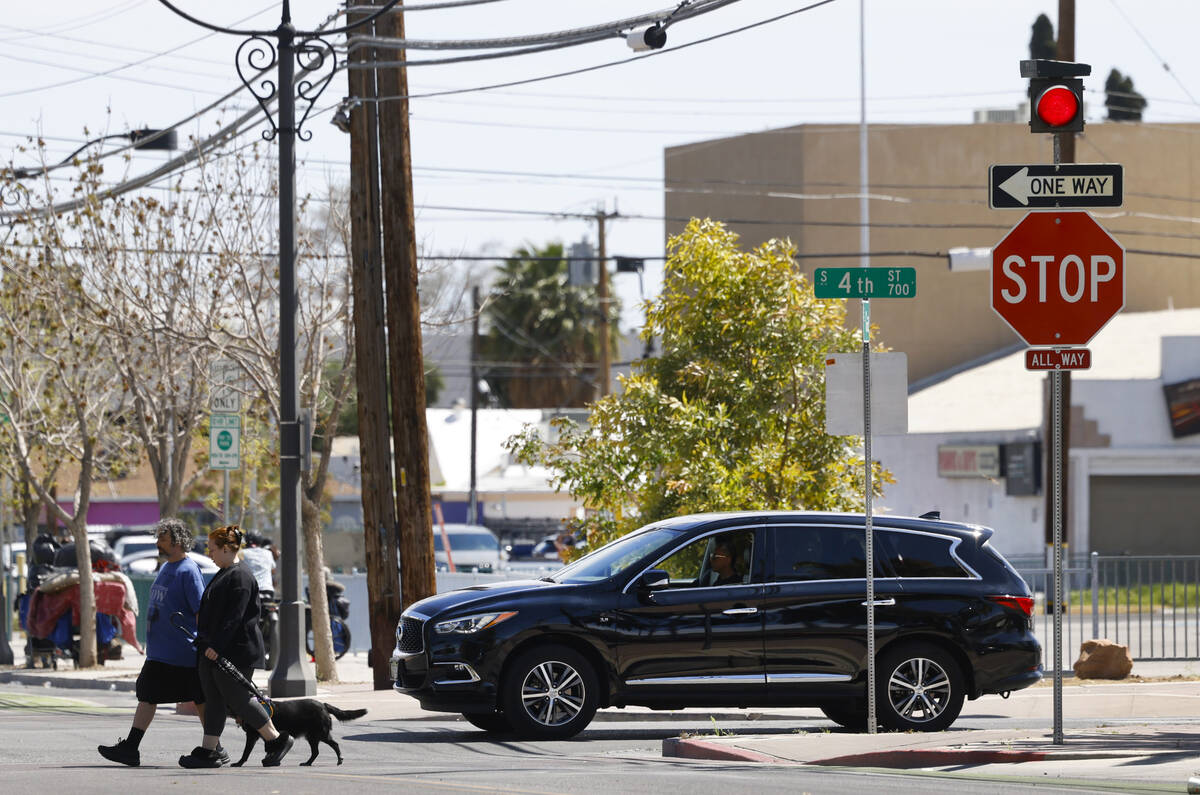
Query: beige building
<point x="928" y="187"/>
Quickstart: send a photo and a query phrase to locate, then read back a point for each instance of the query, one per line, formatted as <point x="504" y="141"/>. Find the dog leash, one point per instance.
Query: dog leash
<point x="226" y="666"/>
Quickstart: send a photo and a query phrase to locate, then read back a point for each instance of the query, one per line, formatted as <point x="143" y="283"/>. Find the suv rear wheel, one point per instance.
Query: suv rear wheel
<point x="549" y="693"/>
<point x="920" y="688"/>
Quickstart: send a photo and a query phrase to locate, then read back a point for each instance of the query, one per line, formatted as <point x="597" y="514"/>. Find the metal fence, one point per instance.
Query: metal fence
<point x="1149" y="603"/>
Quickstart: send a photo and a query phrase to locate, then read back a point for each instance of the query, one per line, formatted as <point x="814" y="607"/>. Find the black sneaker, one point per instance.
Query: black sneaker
<point x="122" y="752"/>
<point x="276" y="750"/>
<point x="202" y="757"/>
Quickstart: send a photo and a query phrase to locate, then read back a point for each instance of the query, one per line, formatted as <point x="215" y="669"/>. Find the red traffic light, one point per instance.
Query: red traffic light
<point x="1057" y="106"/>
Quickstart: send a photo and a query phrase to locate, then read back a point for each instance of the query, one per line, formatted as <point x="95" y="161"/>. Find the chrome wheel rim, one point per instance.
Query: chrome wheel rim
<point x="553" y="693"/>
<point x="919" y="689"/>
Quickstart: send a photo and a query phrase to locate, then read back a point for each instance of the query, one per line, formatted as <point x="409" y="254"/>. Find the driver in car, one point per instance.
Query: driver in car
<point x="723" y="565"/>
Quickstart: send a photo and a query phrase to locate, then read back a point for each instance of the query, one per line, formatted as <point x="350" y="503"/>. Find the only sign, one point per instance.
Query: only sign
<point x="1057" y="278"/>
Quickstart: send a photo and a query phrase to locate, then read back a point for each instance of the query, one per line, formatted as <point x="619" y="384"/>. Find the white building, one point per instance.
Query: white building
<point x="1133" y="484"/>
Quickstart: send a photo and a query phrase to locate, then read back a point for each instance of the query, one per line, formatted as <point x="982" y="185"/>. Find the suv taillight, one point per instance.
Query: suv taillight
<point x="1021" y="603"/>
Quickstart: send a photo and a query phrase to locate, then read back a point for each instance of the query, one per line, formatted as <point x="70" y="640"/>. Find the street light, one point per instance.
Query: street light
<point x="257" y="53"/>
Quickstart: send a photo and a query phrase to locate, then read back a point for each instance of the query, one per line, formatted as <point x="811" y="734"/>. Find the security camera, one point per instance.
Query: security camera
<point x="652" y="37"/>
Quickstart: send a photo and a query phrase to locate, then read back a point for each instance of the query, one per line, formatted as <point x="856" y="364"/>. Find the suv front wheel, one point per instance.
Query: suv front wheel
<point x="494" y="722"/>
<point x="549" y="693"/>
<point x="920" y="688"/>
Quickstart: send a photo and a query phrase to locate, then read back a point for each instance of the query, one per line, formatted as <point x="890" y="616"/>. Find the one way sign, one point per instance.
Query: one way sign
<point x="1031" y="187"/>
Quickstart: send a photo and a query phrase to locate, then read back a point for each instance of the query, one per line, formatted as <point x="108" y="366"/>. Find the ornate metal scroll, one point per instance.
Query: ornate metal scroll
<point x="314" y="55"/>
<point x="255" y="56"/>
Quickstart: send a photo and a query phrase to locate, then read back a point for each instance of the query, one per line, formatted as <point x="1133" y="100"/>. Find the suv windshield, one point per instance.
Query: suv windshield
<point x="614" y="558"/>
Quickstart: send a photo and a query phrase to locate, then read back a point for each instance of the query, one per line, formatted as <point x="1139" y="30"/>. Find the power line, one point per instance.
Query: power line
<point x="112" y="72"/>
<point x="685" y="10"/>
<point x="1166" y="67"/>
<point x="86" y="21"/>
<point x="596" y="67"/>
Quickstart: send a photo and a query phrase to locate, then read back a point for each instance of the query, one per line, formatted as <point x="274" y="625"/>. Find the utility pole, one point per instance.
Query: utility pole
<point x="370" y="344"/>
<point x="473" y="496"/>
<point x="1064" y="152"/>
<point x="406" y="368"/>
<point x="602" y="300"/>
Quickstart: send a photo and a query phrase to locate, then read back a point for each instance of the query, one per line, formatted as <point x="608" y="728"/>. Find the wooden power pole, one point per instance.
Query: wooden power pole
<point x="406" y="368"/>
<point x="604" y="377"/>
<point x="1065" y="143"/>
<point x="370" y="343"/>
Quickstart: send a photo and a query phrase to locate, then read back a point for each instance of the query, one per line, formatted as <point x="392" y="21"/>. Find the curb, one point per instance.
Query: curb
<point x="939" y="757"/>
<point x="896" y="759"/>
<point x="699" y="749"/>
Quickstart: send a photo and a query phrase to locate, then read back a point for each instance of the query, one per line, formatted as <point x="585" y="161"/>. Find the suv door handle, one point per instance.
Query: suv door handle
<point x="881" y="602"/>
<point x="739" y="611"/>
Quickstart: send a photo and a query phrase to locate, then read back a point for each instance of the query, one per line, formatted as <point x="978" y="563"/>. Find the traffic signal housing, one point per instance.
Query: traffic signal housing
<point x="1055" y="95"/>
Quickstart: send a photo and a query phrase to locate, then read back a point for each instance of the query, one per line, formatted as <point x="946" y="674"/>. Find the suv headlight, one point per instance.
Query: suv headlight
<point x="469" y="624"/>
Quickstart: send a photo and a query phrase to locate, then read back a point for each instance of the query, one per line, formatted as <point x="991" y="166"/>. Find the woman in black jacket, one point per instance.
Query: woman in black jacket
<point x="227" y="626"/>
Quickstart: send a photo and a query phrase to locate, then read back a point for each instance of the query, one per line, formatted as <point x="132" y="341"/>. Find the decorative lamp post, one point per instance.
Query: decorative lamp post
<point x="292" y="675"/>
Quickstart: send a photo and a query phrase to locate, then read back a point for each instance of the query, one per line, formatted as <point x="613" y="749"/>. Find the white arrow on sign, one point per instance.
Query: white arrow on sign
<point x="1021" y="186"/>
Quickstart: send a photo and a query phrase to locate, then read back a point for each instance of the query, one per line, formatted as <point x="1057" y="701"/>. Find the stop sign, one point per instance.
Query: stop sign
<point x="1057" y="278"/>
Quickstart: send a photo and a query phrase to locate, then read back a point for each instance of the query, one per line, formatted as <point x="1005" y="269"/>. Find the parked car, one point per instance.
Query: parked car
<point x="732" y="610"/>
<point x="147" y="562"/>
<point x="472" y="548"/>
<point x="125" y="547"/>
<point x="547" y="549"/>
<point x="519" y="549"/>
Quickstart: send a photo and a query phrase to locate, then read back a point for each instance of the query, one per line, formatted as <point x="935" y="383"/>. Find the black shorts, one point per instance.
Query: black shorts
<point x="161" y="683"/>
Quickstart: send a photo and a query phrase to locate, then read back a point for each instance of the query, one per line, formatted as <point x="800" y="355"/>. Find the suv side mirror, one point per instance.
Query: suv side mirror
<point x="654" y="580"/>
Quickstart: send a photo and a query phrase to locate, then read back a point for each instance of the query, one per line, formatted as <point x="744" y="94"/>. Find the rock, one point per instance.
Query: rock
<point x="1103" y="659"/>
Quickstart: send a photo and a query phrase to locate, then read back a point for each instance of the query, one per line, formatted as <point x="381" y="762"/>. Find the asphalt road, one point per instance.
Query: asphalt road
<point x="48" y="739"/>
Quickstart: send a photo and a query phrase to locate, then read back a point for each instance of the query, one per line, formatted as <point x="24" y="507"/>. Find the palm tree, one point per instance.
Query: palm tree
<point x="540" y="348"/>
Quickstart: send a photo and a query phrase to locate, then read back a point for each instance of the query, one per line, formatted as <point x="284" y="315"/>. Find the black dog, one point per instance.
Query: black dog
<point x="306" y="718"/>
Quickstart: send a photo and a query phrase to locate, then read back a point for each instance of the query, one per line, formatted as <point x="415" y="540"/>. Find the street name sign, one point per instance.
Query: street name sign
<point x="1057" y="278"/>
<point x="867" y="283"/>
<point x="1030" y="187"/>
<point x="225" y="441"/>
<point x="1069" y="359"/>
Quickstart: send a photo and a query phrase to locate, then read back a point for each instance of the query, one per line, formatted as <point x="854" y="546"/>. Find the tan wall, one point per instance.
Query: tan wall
<point x="1144" y="515"/>
<point x="929" y="185"/>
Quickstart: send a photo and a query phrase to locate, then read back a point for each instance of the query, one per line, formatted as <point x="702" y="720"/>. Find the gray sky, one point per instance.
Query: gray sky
<point x="576" y="143"/>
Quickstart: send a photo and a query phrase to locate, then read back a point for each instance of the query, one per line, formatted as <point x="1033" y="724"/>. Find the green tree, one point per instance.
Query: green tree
<point x="541" y="344"/>
<point x="1042" y="44"/>
<point x="731" y="415"/>
<point x="1122" y="101"/>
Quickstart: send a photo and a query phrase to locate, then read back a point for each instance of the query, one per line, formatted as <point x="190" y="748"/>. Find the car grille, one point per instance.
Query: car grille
<point x="410" y="635"/>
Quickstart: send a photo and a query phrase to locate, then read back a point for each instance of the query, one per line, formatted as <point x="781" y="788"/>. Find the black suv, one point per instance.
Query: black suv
<point x="732" y="610"/>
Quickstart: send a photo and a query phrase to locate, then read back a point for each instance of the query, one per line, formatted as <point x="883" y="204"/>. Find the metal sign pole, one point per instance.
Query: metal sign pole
<point x="6" y="652"/>
<point x="864" y="206"/>
<point x="866" y="354"/>
<point x="1056" y="454"/>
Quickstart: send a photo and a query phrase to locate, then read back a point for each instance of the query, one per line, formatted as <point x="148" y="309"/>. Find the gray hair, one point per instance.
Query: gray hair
<point x="176" y="532"/>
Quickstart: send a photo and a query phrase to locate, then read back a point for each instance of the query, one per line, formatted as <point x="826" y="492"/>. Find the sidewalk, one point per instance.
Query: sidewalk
<point x="1145" y="728"/>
